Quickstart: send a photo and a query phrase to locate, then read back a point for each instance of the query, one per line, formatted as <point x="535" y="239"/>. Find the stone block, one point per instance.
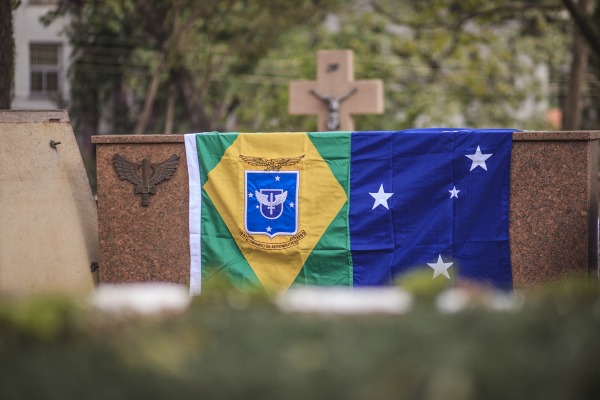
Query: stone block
<point x="48" y="219"/>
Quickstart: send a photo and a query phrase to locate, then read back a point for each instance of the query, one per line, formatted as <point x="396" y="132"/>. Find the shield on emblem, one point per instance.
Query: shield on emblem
<point x="271" y="203"/>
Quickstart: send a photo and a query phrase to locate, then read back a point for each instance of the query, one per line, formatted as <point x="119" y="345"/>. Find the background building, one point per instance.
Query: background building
<point x="42" y="58"/>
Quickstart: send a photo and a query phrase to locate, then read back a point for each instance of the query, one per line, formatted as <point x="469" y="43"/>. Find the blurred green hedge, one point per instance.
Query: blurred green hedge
<point x="229" y="345"/>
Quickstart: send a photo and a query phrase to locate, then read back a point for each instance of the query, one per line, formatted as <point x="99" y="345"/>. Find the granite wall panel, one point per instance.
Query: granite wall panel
<point x="553" y="217"/>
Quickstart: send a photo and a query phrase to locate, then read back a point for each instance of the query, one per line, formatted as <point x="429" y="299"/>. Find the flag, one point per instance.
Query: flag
<point x="274" y="210"/>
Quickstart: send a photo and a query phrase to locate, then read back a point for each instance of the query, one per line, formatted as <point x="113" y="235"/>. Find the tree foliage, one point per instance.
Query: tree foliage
<point x="471" y="63"/>
<point x="140" y="55"/>
<point x="195" y="65"/>
<point x="587" y="24"/>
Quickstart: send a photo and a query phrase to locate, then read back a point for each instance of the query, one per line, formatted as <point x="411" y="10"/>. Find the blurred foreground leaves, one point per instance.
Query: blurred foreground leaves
<point x="231" y="345"/>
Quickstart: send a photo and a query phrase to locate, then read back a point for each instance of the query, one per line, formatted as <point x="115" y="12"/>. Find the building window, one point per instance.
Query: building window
<point x="44" y="60"/>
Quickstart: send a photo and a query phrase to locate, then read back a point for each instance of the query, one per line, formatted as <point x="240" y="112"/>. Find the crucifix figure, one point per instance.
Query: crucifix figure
<point x="333" y="105"/>
<point x="335" y="84"/>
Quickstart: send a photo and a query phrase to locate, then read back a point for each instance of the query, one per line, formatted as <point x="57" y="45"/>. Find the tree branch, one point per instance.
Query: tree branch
<point x="150" y="96"/>
<point x="585" y="27"/>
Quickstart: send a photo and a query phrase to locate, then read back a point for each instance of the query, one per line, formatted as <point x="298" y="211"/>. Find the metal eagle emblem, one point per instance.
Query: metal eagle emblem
<point x="145" y="175"/>
<point x="271" y="164"/>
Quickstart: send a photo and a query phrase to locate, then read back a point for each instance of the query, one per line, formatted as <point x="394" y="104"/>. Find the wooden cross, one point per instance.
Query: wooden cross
<point x="335" y="95"/>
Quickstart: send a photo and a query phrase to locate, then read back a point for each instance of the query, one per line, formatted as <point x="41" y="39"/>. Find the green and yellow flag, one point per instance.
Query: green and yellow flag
<point x="272" y="209"/>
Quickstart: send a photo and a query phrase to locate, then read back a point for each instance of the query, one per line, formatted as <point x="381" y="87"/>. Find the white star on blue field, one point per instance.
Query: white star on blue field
<point x="381" y="198"/>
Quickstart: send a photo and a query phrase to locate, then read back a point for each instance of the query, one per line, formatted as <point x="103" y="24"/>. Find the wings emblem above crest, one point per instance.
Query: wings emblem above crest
<point x="271" y="164"/>
<point x="145" y="175"/>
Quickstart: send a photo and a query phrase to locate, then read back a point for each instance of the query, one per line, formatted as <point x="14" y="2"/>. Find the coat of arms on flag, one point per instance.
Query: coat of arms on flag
<point x="271" y="203"/>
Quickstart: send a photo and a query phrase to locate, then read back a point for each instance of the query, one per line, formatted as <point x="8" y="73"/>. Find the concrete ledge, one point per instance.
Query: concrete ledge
<point x="33" y="116"/>
<point x="147" y="139"/>
<point x="562" y="136"/>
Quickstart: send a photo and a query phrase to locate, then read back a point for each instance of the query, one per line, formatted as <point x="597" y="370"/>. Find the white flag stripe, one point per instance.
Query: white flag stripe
<point x="195" y="194"/>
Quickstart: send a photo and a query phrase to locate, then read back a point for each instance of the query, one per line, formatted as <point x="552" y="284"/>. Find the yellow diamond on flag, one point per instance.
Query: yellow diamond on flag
<point x="276" y="260"/>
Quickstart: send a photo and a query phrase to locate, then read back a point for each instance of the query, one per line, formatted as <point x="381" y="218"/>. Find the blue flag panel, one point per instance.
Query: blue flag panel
<point x="431" y="198"/>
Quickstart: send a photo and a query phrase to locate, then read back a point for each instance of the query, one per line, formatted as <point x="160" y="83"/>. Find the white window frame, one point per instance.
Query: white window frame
<point x="45" y="70"/>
